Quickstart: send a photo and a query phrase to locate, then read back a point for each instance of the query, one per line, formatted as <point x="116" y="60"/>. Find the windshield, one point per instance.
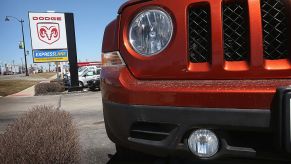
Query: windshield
<point x="81" y="69"/>
<point x="98" y="71"/>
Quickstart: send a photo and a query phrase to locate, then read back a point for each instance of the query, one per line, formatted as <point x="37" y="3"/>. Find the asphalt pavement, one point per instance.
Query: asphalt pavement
<point x="86" y="109"/>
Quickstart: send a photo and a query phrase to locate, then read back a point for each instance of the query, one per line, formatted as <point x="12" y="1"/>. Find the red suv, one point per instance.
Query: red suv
<point x="204" y="78"/>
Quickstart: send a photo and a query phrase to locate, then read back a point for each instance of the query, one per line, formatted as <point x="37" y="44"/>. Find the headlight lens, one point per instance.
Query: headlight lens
<point x="151" y="31"/>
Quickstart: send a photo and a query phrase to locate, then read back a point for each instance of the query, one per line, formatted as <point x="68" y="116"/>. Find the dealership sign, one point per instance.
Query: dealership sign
<point x="48" y="37"/>
<point x="48" y="31"/>
<point x="53" y="40"/>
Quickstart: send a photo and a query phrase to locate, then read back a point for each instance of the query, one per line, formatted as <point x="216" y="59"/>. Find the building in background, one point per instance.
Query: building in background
<point x="96" y="63"/>
<point x="2" y="70"/>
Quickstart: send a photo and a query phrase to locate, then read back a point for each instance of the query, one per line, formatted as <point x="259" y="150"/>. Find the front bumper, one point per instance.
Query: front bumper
<point x="163" y="130"/>
<point x="156" y="116"/>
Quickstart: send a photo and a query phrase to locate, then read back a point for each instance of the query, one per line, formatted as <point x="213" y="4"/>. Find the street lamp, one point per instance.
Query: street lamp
<point x="24" y="51"/>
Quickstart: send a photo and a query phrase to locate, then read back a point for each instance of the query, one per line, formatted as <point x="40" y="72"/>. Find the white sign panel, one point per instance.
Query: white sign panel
<point x="48" y="31"/>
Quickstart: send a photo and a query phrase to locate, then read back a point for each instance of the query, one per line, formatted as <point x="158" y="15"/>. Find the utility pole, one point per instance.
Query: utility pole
<point x="26" y="71"/>
<point x="23" y="40"/>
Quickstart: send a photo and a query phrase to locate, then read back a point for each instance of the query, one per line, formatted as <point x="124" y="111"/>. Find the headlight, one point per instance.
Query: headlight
<point x="151" y="31"/>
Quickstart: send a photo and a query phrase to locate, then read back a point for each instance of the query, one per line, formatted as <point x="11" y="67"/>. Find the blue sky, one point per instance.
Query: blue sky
<point x="91" y="17"/>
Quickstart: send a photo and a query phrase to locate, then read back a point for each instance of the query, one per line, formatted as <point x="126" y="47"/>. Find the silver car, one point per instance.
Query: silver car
<point x="89" y="75"/>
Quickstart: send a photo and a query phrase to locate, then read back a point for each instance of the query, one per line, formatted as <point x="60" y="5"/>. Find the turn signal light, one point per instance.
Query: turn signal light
<point x="112" y="59"/>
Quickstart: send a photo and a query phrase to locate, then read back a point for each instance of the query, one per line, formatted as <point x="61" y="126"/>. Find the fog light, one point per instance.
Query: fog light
<point x="203" y="143"/>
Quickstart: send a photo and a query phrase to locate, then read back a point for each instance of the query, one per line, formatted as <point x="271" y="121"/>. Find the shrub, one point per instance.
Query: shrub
<point x="47" y="88"/>
<point x="43" y="135"/>
<point x="57" y="81"/>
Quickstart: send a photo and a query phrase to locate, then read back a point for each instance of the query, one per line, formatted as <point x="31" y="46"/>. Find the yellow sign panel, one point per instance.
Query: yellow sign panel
<point x="45" y="60"/>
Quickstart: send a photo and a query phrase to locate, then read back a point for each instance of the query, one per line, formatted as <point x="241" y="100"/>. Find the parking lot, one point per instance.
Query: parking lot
<point x="86" y="109"/>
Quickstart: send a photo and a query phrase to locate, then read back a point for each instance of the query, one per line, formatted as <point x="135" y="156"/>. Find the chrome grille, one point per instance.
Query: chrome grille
<point x="275" y="27"/>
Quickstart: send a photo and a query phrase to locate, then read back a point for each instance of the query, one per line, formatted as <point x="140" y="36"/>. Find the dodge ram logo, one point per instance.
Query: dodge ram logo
<point x="48" y="32"/>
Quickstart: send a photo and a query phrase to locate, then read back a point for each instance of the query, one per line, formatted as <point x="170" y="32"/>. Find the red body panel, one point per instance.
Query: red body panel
<point x="173" y="63"/>
<point x="110" y="38"/>
<point x="118" y="85"/>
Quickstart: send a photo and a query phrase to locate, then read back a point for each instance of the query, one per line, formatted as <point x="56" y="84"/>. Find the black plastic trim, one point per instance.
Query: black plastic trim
<point x="222" y="117"/>
<point x="280" y="119"/>
<point x="119" y="119"/>
<point x="286" y="125"/>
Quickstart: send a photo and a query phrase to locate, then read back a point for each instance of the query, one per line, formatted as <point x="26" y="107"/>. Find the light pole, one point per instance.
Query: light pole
<point x="24" y="51"/>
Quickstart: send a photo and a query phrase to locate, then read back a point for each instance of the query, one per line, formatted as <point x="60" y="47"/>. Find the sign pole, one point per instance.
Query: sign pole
<point x="72" y="51"/>
<point x="24" y="50"/>
<point x="58" y="74"/>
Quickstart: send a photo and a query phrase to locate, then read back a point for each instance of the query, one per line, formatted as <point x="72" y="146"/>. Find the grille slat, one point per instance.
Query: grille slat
<point x="275" y="26"/>
<point x="236" y="33"/>
<point x="199" y="34"/>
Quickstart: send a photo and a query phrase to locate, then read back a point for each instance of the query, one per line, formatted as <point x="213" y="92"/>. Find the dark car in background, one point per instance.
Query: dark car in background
<point x="94" y="84"/>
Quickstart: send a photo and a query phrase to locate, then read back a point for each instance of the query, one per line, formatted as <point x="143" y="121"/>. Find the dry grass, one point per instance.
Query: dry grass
<point x="45" y="75"/>
<point x="48" y="88"/>
<point x="43" y="135"/>
<point x="8" y="87"/>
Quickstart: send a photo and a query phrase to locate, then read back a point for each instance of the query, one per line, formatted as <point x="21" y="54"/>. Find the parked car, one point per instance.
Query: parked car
<point x="208" y="79"/>
<point x="82" y="70"/>
<point x="94" y="84"/>
<point x="87" y="76"/>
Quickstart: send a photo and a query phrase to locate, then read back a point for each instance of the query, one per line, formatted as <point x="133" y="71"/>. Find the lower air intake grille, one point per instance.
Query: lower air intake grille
<point x="275" y="28"/>
<point x="151" y="131"/>
<point x="199" y="34"/>
<point x="236" y="33"/>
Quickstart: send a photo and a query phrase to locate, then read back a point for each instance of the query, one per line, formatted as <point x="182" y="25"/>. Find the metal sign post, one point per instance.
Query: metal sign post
<point x="72" y="50"/>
